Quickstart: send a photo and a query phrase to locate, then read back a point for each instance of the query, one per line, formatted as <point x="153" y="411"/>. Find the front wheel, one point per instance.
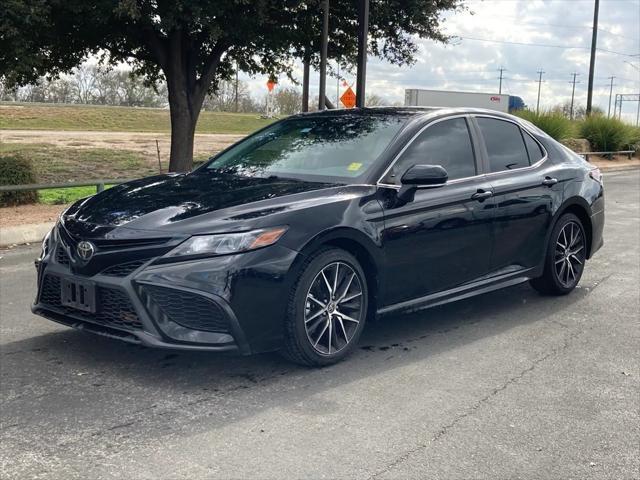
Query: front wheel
<point x="565" y="259"/>
<point x="327" y="309"/>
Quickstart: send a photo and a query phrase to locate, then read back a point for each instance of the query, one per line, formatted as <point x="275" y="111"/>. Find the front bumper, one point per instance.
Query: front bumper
<point x="231" y="303"/>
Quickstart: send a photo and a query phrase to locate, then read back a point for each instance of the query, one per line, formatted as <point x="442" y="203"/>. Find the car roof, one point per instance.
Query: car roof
<point x="423" y="114"/>
<point x="404" y="111"/>
<point x="400" y="111"/>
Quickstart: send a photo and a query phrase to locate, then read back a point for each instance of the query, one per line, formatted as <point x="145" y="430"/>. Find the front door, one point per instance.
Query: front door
<point x="442" y="238"/>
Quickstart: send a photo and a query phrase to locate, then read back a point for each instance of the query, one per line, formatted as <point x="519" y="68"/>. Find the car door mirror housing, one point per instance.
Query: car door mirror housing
<point x="425" y="175"/>
<point x="421" y="176"/>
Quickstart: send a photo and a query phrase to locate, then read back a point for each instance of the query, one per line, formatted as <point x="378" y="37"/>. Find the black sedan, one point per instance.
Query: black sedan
<point x="295" y="236"/>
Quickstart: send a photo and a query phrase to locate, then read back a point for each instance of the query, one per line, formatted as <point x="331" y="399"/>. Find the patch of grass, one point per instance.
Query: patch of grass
<point x="34" y="116"/>
<point x="63" y="196"/>
<point x="554" y="124"/>
<point x="607" y="134"/>
<point x="63" y="164"/>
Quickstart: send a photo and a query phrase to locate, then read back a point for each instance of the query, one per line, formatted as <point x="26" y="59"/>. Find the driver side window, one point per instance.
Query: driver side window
<point x="446" y="143"/>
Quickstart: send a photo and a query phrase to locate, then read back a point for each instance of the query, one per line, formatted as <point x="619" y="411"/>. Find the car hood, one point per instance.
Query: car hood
<point x="187" y="203"/>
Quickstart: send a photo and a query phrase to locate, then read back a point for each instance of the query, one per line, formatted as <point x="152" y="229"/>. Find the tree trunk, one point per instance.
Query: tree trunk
<point x="186" y="93"/>
<point x="184" y="108"/>
<point x="183" y="128"/>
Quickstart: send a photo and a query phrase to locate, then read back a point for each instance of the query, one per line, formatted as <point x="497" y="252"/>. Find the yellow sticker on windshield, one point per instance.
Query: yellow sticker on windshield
<point x="354" y="167"/>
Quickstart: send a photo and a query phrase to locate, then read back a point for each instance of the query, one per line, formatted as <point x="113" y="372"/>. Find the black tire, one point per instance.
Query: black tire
<point x="298" y="344"/>
<point x="557" y="280"/>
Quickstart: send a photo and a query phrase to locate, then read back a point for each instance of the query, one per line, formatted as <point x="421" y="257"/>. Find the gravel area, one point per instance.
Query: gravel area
<point x="25" y="214"/>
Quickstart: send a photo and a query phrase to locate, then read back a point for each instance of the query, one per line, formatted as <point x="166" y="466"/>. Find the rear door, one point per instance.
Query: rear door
<point x="442" y="238"/>
<point x="524" y="186"/>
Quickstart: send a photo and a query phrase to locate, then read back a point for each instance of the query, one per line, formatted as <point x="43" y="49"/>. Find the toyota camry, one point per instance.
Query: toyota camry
<point x="296" y="236"/>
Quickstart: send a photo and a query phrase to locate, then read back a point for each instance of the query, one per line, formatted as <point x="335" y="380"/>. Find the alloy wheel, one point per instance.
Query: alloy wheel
<point x="569" y="254"/>
<point x="333" y="308"/>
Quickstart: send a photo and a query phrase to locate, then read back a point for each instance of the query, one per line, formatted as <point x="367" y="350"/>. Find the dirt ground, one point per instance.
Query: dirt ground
<point x="25" y="214"/>
<point x="619" y="161"/>
<point x="205" y="144"/>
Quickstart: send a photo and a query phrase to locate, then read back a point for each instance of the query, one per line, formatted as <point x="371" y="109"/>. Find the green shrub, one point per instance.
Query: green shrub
<point x="634" y="143"/>
<point x="554" y="124"/>
<point x="607" y="134"/>
<point x="17" y="170"/>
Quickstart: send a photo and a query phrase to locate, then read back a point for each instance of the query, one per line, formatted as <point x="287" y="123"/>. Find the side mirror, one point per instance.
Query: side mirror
<point x="421" y="176"/>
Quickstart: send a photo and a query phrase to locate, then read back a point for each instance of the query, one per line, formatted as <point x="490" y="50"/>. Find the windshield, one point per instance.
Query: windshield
<point x="341" y="146"/>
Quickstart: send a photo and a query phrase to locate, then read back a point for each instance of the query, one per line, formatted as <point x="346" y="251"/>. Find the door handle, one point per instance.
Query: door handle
<point x="482" y="195"/>
<point x="549" y="181"/>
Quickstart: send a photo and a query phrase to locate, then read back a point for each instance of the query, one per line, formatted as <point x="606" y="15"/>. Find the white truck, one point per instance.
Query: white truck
<point x="414" y="97"/>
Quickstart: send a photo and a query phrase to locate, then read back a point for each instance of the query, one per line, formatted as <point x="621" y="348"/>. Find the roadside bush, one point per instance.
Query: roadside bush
<point x="554" y="124"/>
<point x="607" y="134"/>
<point x="16" y="170"/>
<point x="635" y="140"/>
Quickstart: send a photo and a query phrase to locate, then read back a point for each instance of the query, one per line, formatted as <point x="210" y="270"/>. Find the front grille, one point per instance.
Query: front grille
<point x="114" y="309"/>
<point x="61" y="256"/>
<point x="103" y="244"/>
<point x="123" y="269"/>
<point x="189" y="309"/>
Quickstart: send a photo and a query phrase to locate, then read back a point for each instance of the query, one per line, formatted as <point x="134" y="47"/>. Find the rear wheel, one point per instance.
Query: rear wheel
<point x="565" y="259"/>
<point x="327" y="309"/>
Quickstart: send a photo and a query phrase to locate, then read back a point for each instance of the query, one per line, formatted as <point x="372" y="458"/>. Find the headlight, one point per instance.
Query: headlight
<point x="227" y="243"/>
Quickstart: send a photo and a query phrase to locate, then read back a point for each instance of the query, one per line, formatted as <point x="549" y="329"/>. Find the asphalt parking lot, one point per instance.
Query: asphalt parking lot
<point x="507" y="385"/>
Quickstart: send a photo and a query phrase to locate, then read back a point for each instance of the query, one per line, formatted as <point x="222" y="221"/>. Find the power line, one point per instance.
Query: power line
<point x="557" y="25"/>
<point x="564" y="47"/>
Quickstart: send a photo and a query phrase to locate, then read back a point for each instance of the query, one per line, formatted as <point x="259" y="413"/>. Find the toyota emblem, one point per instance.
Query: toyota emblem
<point x="85" y="250"/>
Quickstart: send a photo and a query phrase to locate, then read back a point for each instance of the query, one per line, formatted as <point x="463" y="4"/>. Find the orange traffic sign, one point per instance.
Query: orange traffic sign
<point x="348" y="98"/>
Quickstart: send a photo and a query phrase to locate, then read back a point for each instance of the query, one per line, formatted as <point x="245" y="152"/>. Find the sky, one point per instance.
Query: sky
<point x="471" y="60"/>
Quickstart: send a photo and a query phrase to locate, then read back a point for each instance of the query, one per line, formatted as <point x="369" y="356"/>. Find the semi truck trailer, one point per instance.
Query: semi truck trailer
<point x="414" y="97"/>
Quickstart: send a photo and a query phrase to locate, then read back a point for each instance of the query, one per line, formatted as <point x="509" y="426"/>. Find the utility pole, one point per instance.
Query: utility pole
<point x="363" y="33"/>
<point x="236" y="88"/>
<point x="338" y="84"/>
<point x="592" y="62"/>
<point x="305" y="85"/>
<point x="610" y="95"/>
<point x="322" y="101"/>
<point x="540" y="72"/>
<point x="501" y="70"/>
<point x="573" y="93"/>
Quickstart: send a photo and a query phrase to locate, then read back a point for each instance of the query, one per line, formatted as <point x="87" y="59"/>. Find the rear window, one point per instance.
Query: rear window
<point x="533" y="148"/>
<point x="505" y="145"/>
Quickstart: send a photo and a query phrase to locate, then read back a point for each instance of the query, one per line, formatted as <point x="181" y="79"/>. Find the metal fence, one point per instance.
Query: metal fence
<point x="99" y="184"/>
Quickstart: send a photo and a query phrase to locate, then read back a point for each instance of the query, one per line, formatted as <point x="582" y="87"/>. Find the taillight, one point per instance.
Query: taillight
<point x="596" y="174"/>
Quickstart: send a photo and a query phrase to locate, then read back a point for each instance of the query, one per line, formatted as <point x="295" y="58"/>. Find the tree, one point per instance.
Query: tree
<point x="224" y="98"/>
<point x="374" y="100"/>
<point x="579" y="111"/>
<point x="83" y="84"/>
<point x="194" y="44"/>
<point x="287" y="100"/>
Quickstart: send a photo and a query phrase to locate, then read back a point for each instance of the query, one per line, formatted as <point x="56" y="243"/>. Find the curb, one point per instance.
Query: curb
<point x="29" y="233"/>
